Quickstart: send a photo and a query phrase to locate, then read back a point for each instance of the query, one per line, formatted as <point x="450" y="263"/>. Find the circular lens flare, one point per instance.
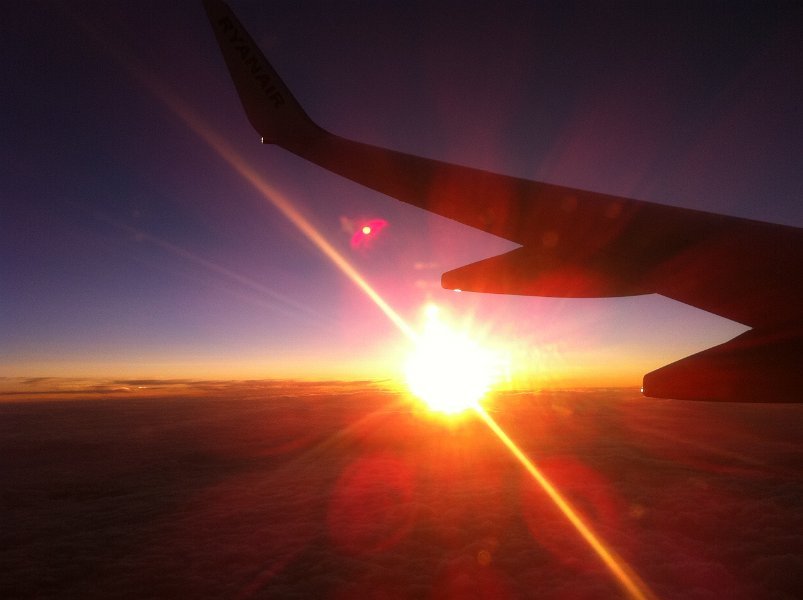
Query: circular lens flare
<point x="365" y="234"/>
<point x="447" y="370"/>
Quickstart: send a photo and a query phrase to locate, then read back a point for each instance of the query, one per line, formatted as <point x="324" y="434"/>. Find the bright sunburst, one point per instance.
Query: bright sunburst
<point x="448" y="370"/>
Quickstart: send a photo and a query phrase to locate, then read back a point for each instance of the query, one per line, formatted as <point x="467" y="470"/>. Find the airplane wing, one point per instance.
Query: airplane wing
<point x="575" y="243"/>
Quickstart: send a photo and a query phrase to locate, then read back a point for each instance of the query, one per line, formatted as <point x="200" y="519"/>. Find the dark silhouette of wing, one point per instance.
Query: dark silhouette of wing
<point x="575" y="243"/>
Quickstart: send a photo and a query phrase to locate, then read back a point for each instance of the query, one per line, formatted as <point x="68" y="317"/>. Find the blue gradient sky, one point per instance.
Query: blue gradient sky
<point x="130" y="248"/>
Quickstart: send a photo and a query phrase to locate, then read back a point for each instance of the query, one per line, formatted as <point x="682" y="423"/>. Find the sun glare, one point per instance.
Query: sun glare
<point x="448" y="371"/>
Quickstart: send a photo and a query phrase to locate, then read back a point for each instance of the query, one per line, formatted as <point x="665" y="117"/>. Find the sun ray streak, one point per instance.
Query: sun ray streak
<point x="630" y="582"/>
<point x="618" y="568"/>
<point x="626" y="577"/>
<point x="283" y="205"/>
<point x="216" y="142"/>
<point x="291" y="213"/>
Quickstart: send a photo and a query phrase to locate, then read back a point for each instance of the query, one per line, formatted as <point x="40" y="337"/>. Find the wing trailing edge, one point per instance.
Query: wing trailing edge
<point x="756" y="366"/>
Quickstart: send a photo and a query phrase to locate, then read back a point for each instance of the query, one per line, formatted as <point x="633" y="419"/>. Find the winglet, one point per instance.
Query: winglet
<point x="269" y="105"/>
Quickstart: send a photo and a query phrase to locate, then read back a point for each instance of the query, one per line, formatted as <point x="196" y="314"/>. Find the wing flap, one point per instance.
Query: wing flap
<point x="757" y="366"/>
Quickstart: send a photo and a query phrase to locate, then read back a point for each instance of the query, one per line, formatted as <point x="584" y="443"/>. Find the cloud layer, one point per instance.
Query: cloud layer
<point x="289" y="490"/>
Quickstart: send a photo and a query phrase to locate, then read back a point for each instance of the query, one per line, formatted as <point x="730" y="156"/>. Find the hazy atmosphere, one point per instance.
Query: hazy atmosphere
<point x="197" y="402"/>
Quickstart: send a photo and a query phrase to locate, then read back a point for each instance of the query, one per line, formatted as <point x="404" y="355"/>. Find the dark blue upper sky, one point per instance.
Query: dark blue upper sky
<point x="130" y="247"/>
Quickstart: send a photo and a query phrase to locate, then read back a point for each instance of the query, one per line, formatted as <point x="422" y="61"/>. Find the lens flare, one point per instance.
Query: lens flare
<point x="366" y="233"/>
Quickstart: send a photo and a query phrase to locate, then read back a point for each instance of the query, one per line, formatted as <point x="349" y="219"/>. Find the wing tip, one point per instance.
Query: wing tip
<point x="268" y="103"/>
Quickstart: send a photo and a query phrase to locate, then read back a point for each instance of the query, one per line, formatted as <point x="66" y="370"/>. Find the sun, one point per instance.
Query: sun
<point x="447" y="370"/>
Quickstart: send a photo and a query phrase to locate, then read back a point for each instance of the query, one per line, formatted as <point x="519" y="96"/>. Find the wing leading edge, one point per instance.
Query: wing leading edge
<point x="575" y="243"/>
